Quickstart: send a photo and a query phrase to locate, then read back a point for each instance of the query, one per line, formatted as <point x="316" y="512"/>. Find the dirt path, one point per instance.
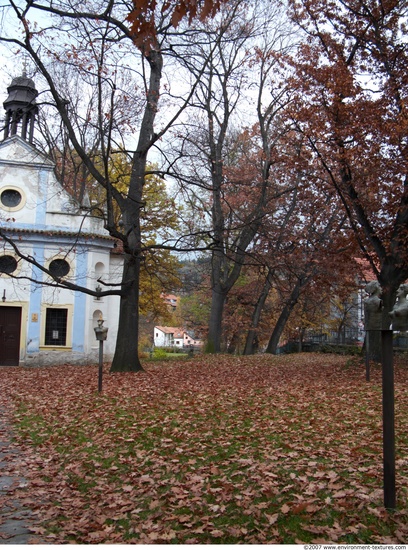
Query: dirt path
<point x="15" y="518"/>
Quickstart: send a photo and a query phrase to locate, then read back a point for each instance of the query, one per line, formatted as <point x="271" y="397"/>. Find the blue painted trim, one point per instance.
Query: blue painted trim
<point x="34" y="328"/>
<point x="79" y="315"/>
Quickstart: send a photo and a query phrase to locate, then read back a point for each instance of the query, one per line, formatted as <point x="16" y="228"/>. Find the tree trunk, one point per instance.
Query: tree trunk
<point x="283" y="318"/>
<point x="233" y="345"/>
<point x="277" y="331"/>
<point x="126" y="358"/>
<point x="215" y="324"/>
<point x="252" y="341"/>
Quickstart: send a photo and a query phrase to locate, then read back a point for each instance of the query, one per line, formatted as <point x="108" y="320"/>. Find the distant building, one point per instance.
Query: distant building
<point x="40" y="323"/>
<point x="174" y="337"/>
<point x="171" y="301"/>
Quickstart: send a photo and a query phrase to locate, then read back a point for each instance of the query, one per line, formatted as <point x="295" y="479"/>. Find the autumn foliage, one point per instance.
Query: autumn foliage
<point x="142" y="17"/>
<point x="261" y="449"/>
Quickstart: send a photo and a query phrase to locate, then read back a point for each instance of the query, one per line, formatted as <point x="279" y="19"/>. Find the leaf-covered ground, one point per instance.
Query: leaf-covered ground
<point x="215" y="450"/>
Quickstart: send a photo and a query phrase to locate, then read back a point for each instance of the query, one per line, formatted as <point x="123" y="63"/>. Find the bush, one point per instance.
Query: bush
<point x="159" y="354"/>
<point x="341" y="349"/>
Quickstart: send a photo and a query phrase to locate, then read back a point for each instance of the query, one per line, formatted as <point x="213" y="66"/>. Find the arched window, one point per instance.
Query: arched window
<point x="99" y="269"/>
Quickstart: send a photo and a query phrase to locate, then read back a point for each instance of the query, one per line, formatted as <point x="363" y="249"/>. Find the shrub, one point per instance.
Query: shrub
<point x="159" y="354"/>
<point x="341" y="349"/>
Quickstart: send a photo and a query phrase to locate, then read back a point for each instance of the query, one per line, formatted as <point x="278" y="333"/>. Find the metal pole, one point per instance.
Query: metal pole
<point x="100" y="365"/>
<point x="388" y="419"/>
<point x="367" y="356"/>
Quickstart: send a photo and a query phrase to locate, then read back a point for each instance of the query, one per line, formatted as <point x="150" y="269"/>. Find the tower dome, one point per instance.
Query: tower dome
<point x="21" y="107"/>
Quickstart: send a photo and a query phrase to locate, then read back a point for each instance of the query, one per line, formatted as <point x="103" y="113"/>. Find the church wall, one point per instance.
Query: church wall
<point x="78" y="334"/>
<point x="83" y="310"/>
<point x="48" y="225"/>
<point x="107" y="268"/>
<point x="41" y="323"/>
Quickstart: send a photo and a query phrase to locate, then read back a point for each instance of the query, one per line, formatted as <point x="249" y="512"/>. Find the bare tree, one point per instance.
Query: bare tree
<point x="118" y="63"/>
<point x="215" y="142"/>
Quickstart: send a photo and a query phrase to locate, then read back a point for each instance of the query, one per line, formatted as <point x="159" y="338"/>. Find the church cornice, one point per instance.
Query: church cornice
<point x="79" y="236"/>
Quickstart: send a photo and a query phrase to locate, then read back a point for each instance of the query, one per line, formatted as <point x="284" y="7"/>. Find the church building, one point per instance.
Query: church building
<point x="40" y="322"/>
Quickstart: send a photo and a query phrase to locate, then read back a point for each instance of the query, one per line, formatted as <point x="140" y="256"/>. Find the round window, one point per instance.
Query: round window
<point x="10" y="198"/>
<point x="59" y="268"/>
<point x="8" y="264"/>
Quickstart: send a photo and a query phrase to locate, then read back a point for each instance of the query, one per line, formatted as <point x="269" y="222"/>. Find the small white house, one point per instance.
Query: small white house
<point x="174" y="337"/>
<point x="40" y="323"/>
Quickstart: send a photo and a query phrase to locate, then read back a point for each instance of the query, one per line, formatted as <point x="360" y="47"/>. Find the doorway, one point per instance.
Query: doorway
<point x="10" y="330"/>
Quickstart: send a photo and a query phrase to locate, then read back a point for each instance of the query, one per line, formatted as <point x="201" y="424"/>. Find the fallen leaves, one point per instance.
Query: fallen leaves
<point x="270" y="450"/>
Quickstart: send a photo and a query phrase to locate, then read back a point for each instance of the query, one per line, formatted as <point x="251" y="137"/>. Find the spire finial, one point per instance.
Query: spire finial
<point x="21" y="107"/>
<point x="25" y="66"/>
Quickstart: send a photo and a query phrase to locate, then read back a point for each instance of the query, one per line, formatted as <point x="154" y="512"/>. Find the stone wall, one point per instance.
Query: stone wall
<point x="54" y="358"/>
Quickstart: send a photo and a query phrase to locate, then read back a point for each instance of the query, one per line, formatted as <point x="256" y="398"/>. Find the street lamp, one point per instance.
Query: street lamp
<point x="98" y="289"/>
<point x="101" y="334"/>
<point x="375" y="321"/>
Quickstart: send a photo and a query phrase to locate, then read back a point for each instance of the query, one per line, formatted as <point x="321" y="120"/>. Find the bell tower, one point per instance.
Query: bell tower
<point x="21" y="108"/>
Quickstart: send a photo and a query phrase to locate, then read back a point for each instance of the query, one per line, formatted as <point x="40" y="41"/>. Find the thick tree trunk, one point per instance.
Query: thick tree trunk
<point x="215" y="324"/>
<point x="126" y="358"/>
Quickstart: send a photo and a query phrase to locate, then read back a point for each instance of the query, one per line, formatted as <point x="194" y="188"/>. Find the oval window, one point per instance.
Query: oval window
<point x="59" y="268"/>
<point x="10" y="198"/>
<point x="8" y="264"/>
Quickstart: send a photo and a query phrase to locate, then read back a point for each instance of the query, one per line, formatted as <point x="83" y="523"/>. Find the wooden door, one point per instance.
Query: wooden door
<point x="10" y="328"/>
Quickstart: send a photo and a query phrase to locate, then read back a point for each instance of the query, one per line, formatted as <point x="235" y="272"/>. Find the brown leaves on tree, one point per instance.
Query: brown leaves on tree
<point x="263" y="449"/>
<point x="142" y="17"/>
<point x="351" y="94"/>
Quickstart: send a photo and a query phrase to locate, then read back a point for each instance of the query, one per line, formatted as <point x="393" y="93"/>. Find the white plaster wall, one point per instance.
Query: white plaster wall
<point x="23" y="167"/>
<point x="108" y="306"/>
<point x="159" y="340"/>
<point x="19" y="167"/>
<point x="16" y="290"/>
<point x="26" y="181"/>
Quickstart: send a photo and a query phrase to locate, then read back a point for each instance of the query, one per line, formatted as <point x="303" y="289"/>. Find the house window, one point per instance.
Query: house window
<point x="56" y="327"/>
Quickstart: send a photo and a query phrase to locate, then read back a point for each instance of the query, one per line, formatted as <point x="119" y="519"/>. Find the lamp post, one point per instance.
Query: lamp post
<point x="101" y="334"/>
<point x="98" y="289"/>
<point x="374" y="323"/>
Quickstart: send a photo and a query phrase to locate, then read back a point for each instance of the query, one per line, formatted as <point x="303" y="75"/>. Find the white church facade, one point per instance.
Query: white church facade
<point x="41" y="323"/>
